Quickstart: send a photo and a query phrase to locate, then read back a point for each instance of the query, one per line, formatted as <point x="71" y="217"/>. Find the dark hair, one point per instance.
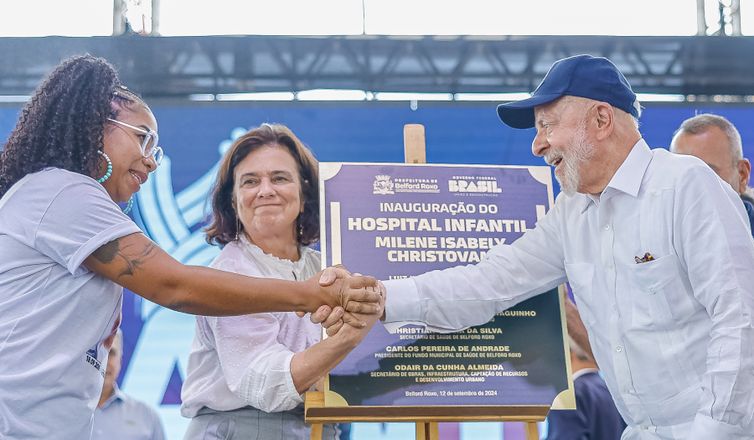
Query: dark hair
<point x="225" y="224"/>
<point x="63" y="123"/>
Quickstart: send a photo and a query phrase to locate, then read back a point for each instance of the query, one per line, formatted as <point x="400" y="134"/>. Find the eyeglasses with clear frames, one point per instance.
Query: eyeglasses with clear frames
<point x="148" y="144"/>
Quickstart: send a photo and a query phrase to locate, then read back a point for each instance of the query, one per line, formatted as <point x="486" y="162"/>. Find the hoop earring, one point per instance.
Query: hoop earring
<point x="109" y="171"/>
<point x="130" y="205"/>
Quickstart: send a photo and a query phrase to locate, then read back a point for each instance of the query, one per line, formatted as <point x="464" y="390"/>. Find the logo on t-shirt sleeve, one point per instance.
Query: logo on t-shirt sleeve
<point x="91" y="359"/>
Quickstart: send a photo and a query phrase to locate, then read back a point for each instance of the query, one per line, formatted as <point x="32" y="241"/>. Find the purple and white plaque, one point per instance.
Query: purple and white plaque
<point x="398" y="220"/>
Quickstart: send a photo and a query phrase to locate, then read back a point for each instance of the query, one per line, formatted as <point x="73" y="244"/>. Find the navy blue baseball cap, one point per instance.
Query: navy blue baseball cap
<point x="581" y="75"/>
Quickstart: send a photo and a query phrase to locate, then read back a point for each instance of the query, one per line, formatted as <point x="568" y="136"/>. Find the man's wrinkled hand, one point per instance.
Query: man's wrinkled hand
<point x="357" y="320"/>
<point x="354" y="334"/>
<point x="354" y="292"/>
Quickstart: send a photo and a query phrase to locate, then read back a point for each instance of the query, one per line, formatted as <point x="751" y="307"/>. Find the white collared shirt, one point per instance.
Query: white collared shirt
<point x="122" y="417"/>
<point x="674" y="337"/>
<point x="239" y="361"/>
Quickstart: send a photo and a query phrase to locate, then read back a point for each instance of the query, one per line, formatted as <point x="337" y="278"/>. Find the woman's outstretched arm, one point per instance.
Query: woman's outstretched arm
<point x="137" y="263"/>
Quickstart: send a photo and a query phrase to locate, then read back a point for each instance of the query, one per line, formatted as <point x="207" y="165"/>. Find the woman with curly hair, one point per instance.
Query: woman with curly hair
<point x="82" y="143"/>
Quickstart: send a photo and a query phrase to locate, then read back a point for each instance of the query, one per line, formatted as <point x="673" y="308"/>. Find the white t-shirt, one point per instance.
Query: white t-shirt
<point x="54" y="312"/>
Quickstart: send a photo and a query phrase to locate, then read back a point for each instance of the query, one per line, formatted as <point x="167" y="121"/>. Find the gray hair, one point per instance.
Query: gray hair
<point x="703" y="122"/>
<point x="639" y="109"/>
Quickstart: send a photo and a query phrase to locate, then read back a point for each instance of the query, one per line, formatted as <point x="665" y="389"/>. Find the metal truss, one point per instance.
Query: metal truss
<point x="728" y="13"/>
<point x="181" y="66"/>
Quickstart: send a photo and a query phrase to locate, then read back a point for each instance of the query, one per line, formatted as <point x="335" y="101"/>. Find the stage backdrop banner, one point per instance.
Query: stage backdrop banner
<point x="398" y="220"/>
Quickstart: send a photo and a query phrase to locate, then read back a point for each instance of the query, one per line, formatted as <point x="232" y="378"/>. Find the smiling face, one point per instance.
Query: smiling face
<point x="122" y="145"/>
<point x="267" y="193"/>
<point x="563" y="142"/>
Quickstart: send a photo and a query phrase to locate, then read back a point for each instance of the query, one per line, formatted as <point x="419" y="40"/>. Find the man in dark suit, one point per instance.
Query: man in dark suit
<point x="595" y="417"/>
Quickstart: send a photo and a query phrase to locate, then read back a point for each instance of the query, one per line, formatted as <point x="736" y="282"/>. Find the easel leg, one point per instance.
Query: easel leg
<point x="427" y="431"/>
<point x="316" y="432"/>
<point x="532" y="433"/>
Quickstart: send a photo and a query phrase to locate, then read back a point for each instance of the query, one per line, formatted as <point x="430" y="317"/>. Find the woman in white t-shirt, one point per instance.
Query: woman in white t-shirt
<point x="82" y="143"/>
<point x="246" y="374"/>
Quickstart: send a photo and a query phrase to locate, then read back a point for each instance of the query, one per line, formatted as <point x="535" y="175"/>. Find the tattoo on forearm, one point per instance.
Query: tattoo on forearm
<point x="132" y="257"/>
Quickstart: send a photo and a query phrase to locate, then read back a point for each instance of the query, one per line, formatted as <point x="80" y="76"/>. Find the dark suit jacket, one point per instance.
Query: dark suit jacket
<point x="595" y="417"/>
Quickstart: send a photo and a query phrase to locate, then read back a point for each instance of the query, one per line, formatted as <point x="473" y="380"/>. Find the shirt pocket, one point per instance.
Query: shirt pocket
<point x="581" y="278"/>
<point x="660" y="299"/>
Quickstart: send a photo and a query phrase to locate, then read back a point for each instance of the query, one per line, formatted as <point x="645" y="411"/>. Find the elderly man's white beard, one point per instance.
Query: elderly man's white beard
<point x="581" y="150"/>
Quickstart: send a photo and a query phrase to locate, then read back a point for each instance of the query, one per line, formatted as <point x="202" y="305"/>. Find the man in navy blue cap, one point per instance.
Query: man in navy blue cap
<point x="655" y="246"/>
<point x="574" y="83"/>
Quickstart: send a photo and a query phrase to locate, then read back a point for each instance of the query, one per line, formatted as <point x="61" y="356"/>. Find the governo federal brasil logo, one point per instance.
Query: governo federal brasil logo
<point x="474" y="184"/>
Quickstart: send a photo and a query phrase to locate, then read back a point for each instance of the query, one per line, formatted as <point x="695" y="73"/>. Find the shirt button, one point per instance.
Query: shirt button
<point x="606" y="227"/>
<point x="619" y="348"/>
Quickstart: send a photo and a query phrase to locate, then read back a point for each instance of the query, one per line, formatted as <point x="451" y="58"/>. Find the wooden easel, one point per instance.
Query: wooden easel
<point x="426" y="418"/>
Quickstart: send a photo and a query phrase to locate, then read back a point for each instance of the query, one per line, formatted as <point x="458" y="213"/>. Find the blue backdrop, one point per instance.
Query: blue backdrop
<point x="171" y="207"/>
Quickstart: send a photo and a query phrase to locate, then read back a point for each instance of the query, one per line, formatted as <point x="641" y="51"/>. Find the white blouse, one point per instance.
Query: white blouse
<point x="245" y="360"/>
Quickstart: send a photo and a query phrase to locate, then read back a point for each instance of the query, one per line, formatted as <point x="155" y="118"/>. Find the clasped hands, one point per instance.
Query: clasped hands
<point x="355" y="300"/>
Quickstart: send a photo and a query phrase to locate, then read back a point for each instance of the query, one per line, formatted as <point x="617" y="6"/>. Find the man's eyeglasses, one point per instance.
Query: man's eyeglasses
<point x="148" y="143"/>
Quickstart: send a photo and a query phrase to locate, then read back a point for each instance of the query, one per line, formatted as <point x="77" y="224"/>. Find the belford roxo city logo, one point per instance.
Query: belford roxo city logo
<point x="383" y="185"/>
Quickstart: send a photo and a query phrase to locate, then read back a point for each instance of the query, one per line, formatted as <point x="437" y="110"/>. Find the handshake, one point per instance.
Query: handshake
<point x="347" y="299"/>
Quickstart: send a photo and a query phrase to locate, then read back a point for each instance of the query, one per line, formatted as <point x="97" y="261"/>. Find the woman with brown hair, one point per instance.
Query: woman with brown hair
<point x="246" y="374"/>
